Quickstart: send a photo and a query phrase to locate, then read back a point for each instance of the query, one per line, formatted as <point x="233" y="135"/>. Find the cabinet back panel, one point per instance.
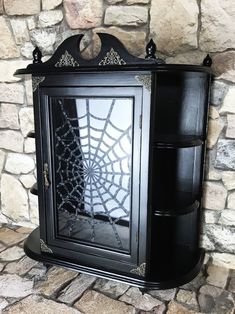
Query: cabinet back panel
<point x="180" y="102"/>
<point x="173" y="180"/>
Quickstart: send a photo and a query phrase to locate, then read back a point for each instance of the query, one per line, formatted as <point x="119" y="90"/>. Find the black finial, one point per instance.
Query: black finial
<point x="37" y="55"/>
<point x="151" y="50"/>
<point x="207" y="61"/>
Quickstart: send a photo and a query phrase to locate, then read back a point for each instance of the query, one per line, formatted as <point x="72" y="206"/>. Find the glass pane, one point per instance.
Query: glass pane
<point x="93" y="149"/>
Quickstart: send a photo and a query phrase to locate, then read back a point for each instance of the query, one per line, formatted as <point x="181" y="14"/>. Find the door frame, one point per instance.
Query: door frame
<point x="122" y="82"/>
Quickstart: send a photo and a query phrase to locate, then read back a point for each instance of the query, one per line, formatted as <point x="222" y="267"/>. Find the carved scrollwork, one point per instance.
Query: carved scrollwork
<point x="146" y="80"/>
<point x="36" y="80"/>
<point x="44" y="247"/>
<point x="66" y="60"/>
<point x="112" y="58"/>
<point x="140" y="271"/>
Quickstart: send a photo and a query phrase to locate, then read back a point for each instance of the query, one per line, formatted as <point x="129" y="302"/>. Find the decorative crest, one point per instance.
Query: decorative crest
<point x="68" y="56"/>
<point x="140" y="271"/>
<point x="112" y="58"/>
<point x="66" y="60"/>
<point x="36" y="80"/>
<point x="146" y="80"/>
<point x="44" y="247"/>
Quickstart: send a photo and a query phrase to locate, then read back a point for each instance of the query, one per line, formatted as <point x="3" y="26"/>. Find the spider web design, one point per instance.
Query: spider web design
<point x="93" y="170"/>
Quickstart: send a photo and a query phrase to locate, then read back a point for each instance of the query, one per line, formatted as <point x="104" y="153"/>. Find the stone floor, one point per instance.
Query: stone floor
<point x="27" y="286"/>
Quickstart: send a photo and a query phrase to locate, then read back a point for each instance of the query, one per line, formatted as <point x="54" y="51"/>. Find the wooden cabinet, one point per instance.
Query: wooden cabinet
<point x="120" y="150"/>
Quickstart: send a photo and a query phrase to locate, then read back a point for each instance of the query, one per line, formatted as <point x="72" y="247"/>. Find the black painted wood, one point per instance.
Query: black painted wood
<point x="53" y="238"/>
<point x="31" y="134"/>
<point x="33" y="250"/>
<point x="34" y="189"/>
<point x="177" y="141"/>
<point x="113" y="56"/>
<point x="169" y="117"/>
<point x="151" y="50"/>
<point x="207" y="61"/>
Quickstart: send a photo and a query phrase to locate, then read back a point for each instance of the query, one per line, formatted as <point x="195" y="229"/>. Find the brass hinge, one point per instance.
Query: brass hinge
<point x="140" y="121"/>
<point x="46" y="175"/>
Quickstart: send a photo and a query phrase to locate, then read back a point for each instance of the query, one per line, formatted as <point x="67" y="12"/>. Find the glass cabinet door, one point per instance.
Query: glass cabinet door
<point x="92" y="146"/>
<point x="93" y="167"/>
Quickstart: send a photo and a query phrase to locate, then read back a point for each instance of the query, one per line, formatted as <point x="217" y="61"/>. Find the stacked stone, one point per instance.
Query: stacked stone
<point x="219" y="188"/>
<point x="185" y="31"/>
<point x="22" y="27"/>
<point x="27" y="286"/>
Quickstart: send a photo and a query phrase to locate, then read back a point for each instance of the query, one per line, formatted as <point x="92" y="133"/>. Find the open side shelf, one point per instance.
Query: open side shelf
<point x="177" y="178"/>
<point x="177" y="250"/>
<point x="177" y="141"/>
<point x="173" y="210"/>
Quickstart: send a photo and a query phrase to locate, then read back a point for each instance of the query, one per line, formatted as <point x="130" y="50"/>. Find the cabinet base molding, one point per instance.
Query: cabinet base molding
<point x="32" y="250"/>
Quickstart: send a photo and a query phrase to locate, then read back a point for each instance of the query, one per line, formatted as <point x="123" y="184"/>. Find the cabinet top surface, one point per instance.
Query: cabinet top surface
<point x="113" y="56"/>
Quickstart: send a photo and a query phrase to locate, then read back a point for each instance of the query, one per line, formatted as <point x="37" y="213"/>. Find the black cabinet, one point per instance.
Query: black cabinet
<point x="91" y="150"/>
<point x="120" y="150"/>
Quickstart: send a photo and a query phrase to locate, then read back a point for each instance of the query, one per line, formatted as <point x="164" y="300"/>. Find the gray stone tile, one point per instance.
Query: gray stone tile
<point x="2" y="265"/>
<point x="187" y="297"/>
<point x="2" y="247"/>
<point x="231" y="285"/>
<point x="34" y="304"/>
<point x="9" y="237"/>
<point x="161" y="309"/>
<point x="94" y="302"/>
<point x="110" y="288"/>
<point x="14" y="286"/>
<point x="177" y="308"/>
<point x="218" y="91"/>
<point x="217" y="276"/>
<point x="196" y="283"/>
<point x="3" y="304"/>
<point x="141" y="301"/>
<point x="37" y="273"/>
<point x="206" y="303"/>
<point x="24" y="230"/>
<point x="76" y="288"/>
<point x="56" y="280"/>
<point x="12" y="254"/>
<point x="225" y="155"/>
<point x="21" y="267"/>
<point x="164" y="295"/>
<point x="215" y="300"/>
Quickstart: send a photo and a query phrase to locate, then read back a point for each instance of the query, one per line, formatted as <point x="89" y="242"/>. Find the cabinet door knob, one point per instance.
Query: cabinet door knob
<point x="46" y="175"/>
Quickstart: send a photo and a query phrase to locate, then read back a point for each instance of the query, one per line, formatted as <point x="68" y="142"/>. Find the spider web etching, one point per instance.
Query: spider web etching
<point x="93" y="170"/>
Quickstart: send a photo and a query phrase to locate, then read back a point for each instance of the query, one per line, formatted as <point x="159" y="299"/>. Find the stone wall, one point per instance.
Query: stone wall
<point x="185" y="31"/>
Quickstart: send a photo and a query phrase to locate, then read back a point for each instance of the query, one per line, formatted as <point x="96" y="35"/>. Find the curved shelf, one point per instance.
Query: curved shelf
<point x="32" y="249"/>
<point x="177" y="141"/>
<point x="176" y="204"/>
<point x="177" y="212"/>
<point x="34" y="189"/>
<point x="31" y="134"/>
